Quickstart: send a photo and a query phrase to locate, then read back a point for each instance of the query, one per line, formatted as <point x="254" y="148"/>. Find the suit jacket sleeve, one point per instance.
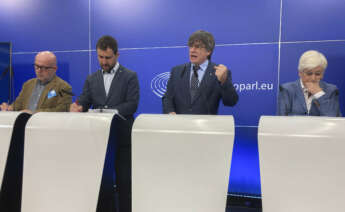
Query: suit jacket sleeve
<point x="19" y="103"/>
<point x="328" y="104"/>
<point x="284" y="104"/>
<point x="130" y="105"/>
<point x="85" y="97"/>
<point x="168" y="98"/>
<point x="228" y="92"/>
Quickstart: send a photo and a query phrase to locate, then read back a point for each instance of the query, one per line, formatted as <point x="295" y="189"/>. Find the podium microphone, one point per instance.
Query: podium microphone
<point x="106" y="110"/>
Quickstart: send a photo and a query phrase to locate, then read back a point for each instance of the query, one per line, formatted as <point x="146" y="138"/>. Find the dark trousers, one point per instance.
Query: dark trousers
<point x="118" y="156"/>
<point x="123" y="179"/>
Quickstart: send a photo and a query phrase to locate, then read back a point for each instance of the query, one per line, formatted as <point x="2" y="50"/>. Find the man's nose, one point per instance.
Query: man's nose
<point x="313" y="77"/>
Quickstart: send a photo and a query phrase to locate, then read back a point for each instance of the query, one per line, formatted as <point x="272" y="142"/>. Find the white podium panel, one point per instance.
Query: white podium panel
<point x="302" y="164"/>
<point x="181" y="163"/>
<point x="63" y="161"/>
<point x="7" y="120"/>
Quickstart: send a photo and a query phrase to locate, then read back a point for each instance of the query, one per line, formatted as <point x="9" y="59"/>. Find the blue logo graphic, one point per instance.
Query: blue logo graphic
<point x="159" y="84"/>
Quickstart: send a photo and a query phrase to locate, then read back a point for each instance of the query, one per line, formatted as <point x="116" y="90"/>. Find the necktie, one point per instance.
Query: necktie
<point x="194" y="83"/>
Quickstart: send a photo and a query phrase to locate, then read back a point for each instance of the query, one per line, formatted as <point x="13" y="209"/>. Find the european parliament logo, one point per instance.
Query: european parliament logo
<point x="159" y="84"/>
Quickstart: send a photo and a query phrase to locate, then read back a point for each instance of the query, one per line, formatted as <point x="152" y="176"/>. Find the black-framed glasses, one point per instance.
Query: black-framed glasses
<point x="43" y="68"/>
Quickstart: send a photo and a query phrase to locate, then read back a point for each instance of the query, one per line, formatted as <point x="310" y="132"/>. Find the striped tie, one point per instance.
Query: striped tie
<point x="194" y="84"/>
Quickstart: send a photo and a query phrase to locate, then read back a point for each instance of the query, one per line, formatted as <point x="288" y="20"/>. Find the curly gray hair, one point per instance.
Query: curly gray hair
<point x="312" y="59"/>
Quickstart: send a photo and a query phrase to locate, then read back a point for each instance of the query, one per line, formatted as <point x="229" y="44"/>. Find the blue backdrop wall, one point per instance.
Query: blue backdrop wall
<point x="260" y="41"/>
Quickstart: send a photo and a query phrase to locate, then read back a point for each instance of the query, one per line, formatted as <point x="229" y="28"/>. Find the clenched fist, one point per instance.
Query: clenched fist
<point x="221" y="73"/>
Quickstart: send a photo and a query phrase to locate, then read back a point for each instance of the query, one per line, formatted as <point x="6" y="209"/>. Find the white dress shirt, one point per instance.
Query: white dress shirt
<point x="108" y="77"/>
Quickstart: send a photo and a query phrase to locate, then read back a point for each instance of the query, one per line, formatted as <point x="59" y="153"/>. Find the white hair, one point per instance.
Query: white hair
<point x="312" y="59"/>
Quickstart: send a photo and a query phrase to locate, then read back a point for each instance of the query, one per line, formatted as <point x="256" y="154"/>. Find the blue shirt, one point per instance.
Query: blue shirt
<point x="201" y="71"/>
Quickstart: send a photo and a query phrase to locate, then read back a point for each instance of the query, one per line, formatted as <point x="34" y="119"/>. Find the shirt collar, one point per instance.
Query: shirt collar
<point x="303" y="88"/>
<point x="203" y="66"/>
<point x="113" y="70"/>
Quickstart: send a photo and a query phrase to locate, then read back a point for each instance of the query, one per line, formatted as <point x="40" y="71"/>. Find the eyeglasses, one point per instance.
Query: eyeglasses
<point x="310" y="73"/>
<point x="197" y="46"/>
<point x="43" y="68"/>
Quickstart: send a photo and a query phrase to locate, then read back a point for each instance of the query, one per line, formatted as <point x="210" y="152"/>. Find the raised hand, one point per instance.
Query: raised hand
<point x="221" y="73"/>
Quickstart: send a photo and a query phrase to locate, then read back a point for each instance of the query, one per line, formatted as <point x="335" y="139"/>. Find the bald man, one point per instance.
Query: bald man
<point x="45" y="93"/>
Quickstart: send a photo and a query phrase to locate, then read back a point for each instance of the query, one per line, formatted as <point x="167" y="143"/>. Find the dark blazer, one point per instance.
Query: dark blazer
<point x="291" y="101"/>
<point x="124" y="96"/>
<point x="178" y="99"/>
<point x="58" y="103"/>
<point x="123" y="93"/>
